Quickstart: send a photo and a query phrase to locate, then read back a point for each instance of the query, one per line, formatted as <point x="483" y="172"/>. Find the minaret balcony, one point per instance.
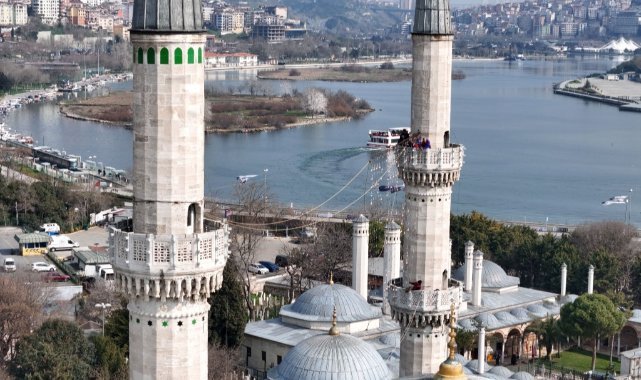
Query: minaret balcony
<point x="430" y="167"/>
<point x="408" y="300"/>
<point x="171" y="255"/>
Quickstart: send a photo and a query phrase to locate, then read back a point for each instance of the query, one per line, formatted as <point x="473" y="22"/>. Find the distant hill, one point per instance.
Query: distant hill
<point x="340" y="16"/>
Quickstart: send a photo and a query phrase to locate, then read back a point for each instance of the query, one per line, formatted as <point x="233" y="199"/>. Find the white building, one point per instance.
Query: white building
<point x="47" y="10"/>
<point x="228" y="21"/>
<point x="13" y="14"/>
<point x="238" y="60"/>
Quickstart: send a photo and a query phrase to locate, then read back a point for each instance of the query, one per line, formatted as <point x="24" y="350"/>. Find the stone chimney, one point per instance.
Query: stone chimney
<point x="477" y="278"/>
<point x="564" y="278"/>
<point x="391" y="260"/>
<point x="360" y="247"/>
<point x="591" y="279"/>
<point x="469" y="253"/>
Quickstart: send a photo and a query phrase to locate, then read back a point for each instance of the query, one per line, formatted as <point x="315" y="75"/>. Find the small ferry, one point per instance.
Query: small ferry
<point x="385" y="138"/>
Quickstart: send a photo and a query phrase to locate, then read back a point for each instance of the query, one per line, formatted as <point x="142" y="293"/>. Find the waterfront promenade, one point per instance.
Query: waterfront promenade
<point x="625" y="94"/>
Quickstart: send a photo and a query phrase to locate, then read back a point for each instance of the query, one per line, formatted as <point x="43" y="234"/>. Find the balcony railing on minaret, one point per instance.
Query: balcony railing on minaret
<point x="450" y="158"/>
<point x="405" y="299"/>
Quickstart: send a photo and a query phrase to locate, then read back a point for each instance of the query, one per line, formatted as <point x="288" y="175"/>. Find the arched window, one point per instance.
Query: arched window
<point x="445" y="279"/>
<point x="164" y="56"/>
<point x="151" y="56"/>
<point x="200" y="55"/>
<point x="446" y="140"/>
<point x="190" y="56"/>
<point x="140" y="56"/>
<point x="178" y="56"/>
<point x="191" y="213"/>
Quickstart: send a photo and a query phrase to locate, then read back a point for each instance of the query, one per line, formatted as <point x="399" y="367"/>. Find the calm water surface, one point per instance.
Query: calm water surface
<point x="530" y="154"/>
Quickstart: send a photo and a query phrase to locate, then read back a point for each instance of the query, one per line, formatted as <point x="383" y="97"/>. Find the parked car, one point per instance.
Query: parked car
<point x="55" y="277"/>
<point x="270" y="266"/>
<point x="9" y="265"/>
<point x="257" y="268"/>
<point x="40" y="266"/>
<point x="282" y="261"/>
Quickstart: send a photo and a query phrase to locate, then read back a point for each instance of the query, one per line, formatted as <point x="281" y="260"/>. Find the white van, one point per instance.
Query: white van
<point x="9" y="265"/>
<point x="106" y="272"/>
<point x="50" y="228"/>
<point x="61" y="242"/>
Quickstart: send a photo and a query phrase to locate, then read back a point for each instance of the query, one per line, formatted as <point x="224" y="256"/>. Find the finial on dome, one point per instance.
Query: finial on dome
<point x="452" y="342"/>
<point x="450" y="369"/>
<point x="331" y="282"/>
<point x="333" y="331"/>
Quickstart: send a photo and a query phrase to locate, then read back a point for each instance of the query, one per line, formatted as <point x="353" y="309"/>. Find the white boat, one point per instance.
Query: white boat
<point x="385" y="138"/>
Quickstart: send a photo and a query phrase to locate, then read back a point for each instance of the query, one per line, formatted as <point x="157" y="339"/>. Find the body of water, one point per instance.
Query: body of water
<point x="530" y="154"/>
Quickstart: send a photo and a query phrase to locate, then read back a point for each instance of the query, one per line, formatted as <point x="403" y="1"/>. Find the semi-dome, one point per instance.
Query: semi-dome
<point x="318" y="304"/>
<point x="331" y="357"/>
<point x="493" y="276"/>
<point x="522" y="376"/>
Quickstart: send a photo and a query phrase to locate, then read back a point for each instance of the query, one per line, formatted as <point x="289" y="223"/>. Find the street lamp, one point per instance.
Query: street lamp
<point x="103" y="306"/>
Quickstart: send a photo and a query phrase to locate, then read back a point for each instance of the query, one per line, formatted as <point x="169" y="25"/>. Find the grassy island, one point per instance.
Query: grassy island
<point x="346" y="73"/>
<point x="235" y="113"/>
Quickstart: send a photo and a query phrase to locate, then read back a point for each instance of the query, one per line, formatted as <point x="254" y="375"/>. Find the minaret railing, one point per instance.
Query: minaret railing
<point x="450" y="158"/>
<point x="423" y="300"/>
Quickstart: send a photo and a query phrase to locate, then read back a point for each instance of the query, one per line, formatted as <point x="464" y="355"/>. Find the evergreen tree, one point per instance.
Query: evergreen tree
<point x="228" y="314"/>
<point x="591" y="316"/>
<point x="57" y="350"/>
<point x="111" y="362"/>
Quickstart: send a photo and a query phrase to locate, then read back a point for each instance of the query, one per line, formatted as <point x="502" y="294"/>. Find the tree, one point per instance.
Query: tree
<point x="57" y="350"/>
<point x="547" y="332"/>
<point x="591" y="316"/>
<point x="223" y="362"/>
<point x="5" y="82"/>
<point x="110" y="359"/>
<point x="228" y="315"/>
<point x="315" y="101"/>
<point x="21" y="301"/>
<point x="466" y="340"/>
<point x="117" y="326"/>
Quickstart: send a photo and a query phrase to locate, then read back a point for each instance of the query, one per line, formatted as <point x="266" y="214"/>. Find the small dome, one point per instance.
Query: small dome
<point x="538" y="310"/>
<point x="331" y="357"/>
<point x="493" y="276"/>
<point x="467" y="324"/>
<point x="488" y="321"/>
<point x="393" y="339"/>
<point x="501" y="371"/>
<point x="522" y="376"/>
<point x="520" y="313"/>
<point x="461" y="359"/>
<point x="474" y="365"/>
<point x="319" y="302"/>
<point x="506" y="317"/>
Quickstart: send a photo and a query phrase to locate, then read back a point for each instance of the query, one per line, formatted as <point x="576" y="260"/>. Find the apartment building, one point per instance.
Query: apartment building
<point x="13" y="14"/>
<point x="47" y="10"/>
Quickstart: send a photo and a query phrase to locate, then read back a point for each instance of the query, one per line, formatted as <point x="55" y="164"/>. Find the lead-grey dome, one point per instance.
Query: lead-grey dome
<point x="318" y="304"/>
<point x="327" y="357"/>
<point x="493" y="276"/>
<point x="167" y="16"/>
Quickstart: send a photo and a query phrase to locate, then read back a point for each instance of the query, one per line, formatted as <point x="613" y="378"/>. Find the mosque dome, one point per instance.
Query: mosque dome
<point x="522" y="376"/>
<point x="318" y="304"/>
<point x="493" y="276"/>
<point x="520" y="313"/>
<point x="502" y="372"/>
<point x="331" y="357"/>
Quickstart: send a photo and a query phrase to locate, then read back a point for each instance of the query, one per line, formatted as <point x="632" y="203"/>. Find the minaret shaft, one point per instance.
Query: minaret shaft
<point x="431" y="87"/>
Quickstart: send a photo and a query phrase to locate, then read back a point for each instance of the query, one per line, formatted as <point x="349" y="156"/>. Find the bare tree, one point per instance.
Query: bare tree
<point x="253" y="201"/>
<point x="100" y="292"/>
<point x="315" y="101"/>
<point x="22" y="298"/>
<point x="224" y="363"/>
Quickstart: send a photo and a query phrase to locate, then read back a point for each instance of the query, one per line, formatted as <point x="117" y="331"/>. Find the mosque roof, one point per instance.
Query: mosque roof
<point x="318" y="304"/>
<point x="501" y="371"/>
<point x="361" y="219"/>
<point x="331" y="357"/>
<point x="493" y="276"/>
<point x="167" y="16"/>
<point x="522" y="376"/>
<point x="392" y="226"/>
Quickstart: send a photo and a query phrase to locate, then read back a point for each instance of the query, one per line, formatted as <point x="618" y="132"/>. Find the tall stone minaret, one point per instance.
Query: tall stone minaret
<point x="168" y="265"/>
<point x="428" y="175"/>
